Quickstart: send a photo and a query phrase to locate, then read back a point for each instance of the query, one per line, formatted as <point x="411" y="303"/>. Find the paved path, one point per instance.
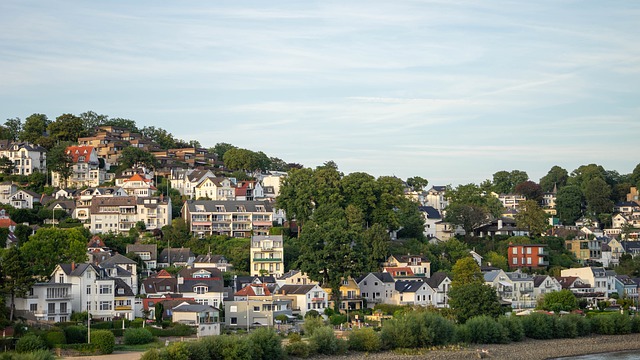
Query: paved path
<point x="118" y="355"/>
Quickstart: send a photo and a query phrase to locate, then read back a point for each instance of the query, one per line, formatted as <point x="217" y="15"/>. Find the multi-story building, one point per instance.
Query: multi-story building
<point x="305" y="298"/>
<point x="419" y="264"/>
<point x="601" y="280"/>
<point x="527" y="255"/>
<point x="267" y="255"/>
<point x="148" y="253"/>
<point x="186" y="180"/>
<point x="232" y="218"/>
<point x="48" y="301"/>
<point x="86" y="170"/>
<point x="377" y="288"/>
<point x="436" y="198"/>
<point x="120" y="214"/>
<point x="27" y="158"/>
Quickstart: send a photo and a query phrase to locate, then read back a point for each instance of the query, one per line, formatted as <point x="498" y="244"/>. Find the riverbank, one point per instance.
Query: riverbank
<point x="525" y="350"/>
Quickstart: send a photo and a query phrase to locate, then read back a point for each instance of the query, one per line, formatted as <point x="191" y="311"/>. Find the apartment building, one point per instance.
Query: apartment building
<point x="27" y="158"/>
<point x="232" y="218"/>
<point x="267" y="255"/>
<point x="120" y="214"/>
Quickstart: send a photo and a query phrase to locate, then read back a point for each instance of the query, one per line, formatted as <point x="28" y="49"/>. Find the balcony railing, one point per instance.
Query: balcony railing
<point x="267" y="259"/>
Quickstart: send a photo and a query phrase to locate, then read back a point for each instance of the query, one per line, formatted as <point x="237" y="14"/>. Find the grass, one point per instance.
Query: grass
<point x="142" y="347"/>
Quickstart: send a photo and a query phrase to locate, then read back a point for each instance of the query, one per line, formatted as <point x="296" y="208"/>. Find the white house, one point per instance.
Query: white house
<point x="377" y="288"/>
<point x="413" y="292"/>
<point x="305" y="298"/>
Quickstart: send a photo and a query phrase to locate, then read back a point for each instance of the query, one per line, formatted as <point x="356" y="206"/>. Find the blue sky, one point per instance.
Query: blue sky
<point x="449" y="90"/>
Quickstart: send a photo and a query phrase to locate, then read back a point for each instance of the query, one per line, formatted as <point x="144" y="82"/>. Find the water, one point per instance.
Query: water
<point x="622" y="355"/>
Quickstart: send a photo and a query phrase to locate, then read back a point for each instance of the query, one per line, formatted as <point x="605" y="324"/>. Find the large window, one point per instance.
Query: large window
<point x="105" y="305"/>
<point x="105" y="289"/>
<point x="200" y="290"/>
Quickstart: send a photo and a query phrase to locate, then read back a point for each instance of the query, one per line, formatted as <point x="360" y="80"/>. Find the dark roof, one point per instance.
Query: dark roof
<point x="439" y="188"/>
<point x="538" y="280"/>
<point x="188" y="272"/>
<point x="151" y="248"/>
<point x="211" y="259"/>
<point x="409" y="286"/>
<point x="242" y="281"/>
<point x="382" y="276"/>
<point x="193" y="308"/>
<point x="78" y="270"/>
<point x="626" y="280"/>
<point x="154" y="285"/>
<point x="177" y="255"/>
<point x="117" y="259"/>
<point x="432" y="213"/>
<point x="120" y="284"/>
<point x="295" y="289"/>
<point x="230" y="205"/>
<point x="436" y="279"/>
<point x="213" y="285"/>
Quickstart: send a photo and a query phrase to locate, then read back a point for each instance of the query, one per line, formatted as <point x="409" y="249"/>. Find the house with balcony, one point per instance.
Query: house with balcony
<point x="216" y="188"/>
<point x="212" y="261"/>
<point x="119" y="266"/>
<point x="510" y="201"/>
<point x="148" y="253"/>
<point x="304" y="298"/>
<point x="602" y="281"/>
<point x="7" y="189"/>
<point x="120" y="214"/>
<point x="544" y="284"/>
<point x="527" y="255"/>
<point x="25" y="199"/>
<point x="376" y="288"/>
<point x="48" y="301"/>
<point x="431" y="216"/>
<point x="159" y="284"/>
<point x="626" y="287"/>
<point x="231" y="218"/>
<point x="294" y="277"/>
<point x="419" y="264"/>
<point x="139" y="186"/>
<point x="27" y="158"/>
<point x="85" y="170"/>
<point x="581" y="289"/>
<point x="413" y="292"/>
<point x="350" y="296"/>
<point x="523" y="285"/>
<point x="267" y="255"/>
<point x="186" y="180"/>
<point x="179" y="257"/>
<point x="436" y="198"/>
<point x="205" y="318"/>
<point x="500" y="226"/>
<point x="256" y="311"/>
<point x="502" y="283"/>
<point x="440" y="282"/>
<point x="204" y="285"/>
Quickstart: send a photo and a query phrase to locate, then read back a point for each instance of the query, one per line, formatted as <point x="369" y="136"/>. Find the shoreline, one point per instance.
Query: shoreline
<point x="528" y="349"/>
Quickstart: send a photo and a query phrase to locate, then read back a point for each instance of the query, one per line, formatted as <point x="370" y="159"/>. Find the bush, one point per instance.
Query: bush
<point x="513" y="324"/>
<point x="416" y="330"/>
<point x="35" y="355"/>
<point x="135" y="336"/>
<point x="103" y="340"/>
<point x="178" y="351"/>
<point x="566" y="328"/>
<point x="75" y="334"/>
<point x="29" y="343"/>
<point x="364" y="339"/>
<point x="294" y="337"/>
<point x="311" y="324"/>
<point x="266" y="344"/>
<point x="337" y="319"/>
<point x="152" y="354"/>
<point x="312" y="313"/>
<point x="55" y="337"/>
<point x="198" y="351"/>
<point x="298" y="349"/>
<point x="485" y="330"/>
<point x="611" y="324"/>
<point x="538" y="326"/>
<point x="79" y="316"/>
<point x="325" y="342"/>
<point x="228" y="347"/>
<point x="176" y="330"/>
<point x="635" y="324"/>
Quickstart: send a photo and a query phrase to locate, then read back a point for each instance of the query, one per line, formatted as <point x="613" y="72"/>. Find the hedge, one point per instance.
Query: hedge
<point x="135" y="336"/>
<point x="365" y="339"/>
<point x="103" y="340"/>
<point x="29" y="343"/>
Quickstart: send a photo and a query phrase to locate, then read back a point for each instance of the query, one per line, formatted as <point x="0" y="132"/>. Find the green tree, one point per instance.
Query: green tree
<point x="92" y="120"/>
<point x="497" y="260"/>
<point x="563" y="300"/>
<point x="597" y="194"/>
<point x="17" y="278"/>
<point x="468" y="217"/>
<point x="159" y="312"/>
<point x="504" y="182"/>
<point x="243" y="159"/>
<point x="123" y="123"/>
<point x="417" y="183"/>
<point x="569" y="204"/>
<point x="34" y="128"/>
<point x="474" y="195"/>
<point x="359" y="190"/>
<point x="14" y="127"/>
<point x="51" y="246"/>
<point x="466" y="271"/>
<point x="133" y="157"/>
<point x="583" y="174"/>
<point x="220" y="149"/>
<point x="160" y="136"/>
<point x="555" y="178"/>
<point x="59" y="161"/>
<point x="296" y="196"/>
<point x="474" y="299"/>
<point x="530" y="216"/>
<point x="67" y="127"/>
<point x="6" y="165"/>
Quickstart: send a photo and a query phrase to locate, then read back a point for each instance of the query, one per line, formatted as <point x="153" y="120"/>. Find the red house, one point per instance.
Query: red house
<point x="527" y="255"/>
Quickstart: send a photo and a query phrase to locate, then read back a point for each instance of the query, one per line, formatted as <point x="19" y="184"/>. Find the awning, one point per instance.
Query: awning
<point x="504" y="283"/>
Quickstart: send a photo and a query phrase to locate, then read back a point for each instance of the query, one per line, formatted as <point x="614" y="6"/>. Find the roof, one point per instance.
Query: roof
<point x="432" y="213"/>
<point x="394" y="270"/>
<point x="96" y="242"/>
<point x="77" y="151"/>
<point x="409" y="286"/>
<point x="230" y="205"/>
<point x="249" y="290"/>
<point x="210" y="259"/>
<point x="439" y="188"/>
<point x="5" y="223"/>
<point x="538" y="280"/>
<point x="436" y="279"/>
<point x="177" y="255"/>
<point x="295" y="289"/>
<point x="626" y="280"/>
<point x="490" y="276"/>
<point x="212" y="284"/>
<point x="193" y="308"/>
<point x="187" y="273"/>
<point x="288" y="274"/>
<point x="120" y="284"/>
<point x="117" y="259"/>
<point x="566" y="281"/>
<point x="77" y="269"/>
<point x="109" y="202"/>
<point x="152" y="249"/>
<point x="385" y="277"/>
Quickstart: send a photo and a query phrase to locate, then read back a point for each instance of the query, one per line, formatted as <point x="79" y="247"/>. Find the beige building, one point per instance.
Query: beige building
<point x="267" y="255"/>
<point x="232" y="218"/>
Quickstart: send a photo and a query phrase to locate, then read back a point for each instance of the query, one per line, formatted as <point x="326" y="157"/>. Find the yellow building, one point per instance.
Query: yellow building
<point x="350" y="297"/>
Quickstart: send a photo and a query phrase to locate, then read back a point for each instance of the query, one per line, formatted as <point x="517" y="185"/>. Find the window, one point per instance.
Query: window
<point x="514" y="250"/>
<point x="88" y="289"/>
<point x="233" y="309"/>
<point x="515" y="261"/>
<point x="105" y="305"/>
<point x="256" y="308"/>
<point x="529" y="261"/>
<point x="105" y="289"/>
<point x="51" y="308"/>
<point x="61" y="278"/>
<point x="234" y="321"/>
<point x="528" y="250"/>
<point x="88" y="305"/>
<point x="88" y="275"/>
<point x="63" y="308"/>
<point x="200" y="290"/>
<point x="33" y="307"/>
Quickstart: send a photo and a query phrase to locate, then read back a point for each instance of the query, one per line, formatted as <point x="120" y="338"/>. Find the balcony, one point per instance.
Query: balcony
<point x="267" y="260"/>
<point x="125" y="307"/>
<point x="59" y="297"/>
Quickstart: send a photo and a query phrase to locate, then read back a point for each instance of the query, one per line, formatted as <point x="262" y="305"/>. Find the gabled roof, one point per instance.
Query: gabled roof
<point x="120" y="284"/>
<point x="187" y="273"/>
<point x="384" y="277"/>
<point x="151" y="248"/>
<point x="210" y="259"/>
<point x="78" y="269"/>
<point x="96" y="242"/>
<point x="490" y="276"/>
<point x="196" y="308"/>
<point x="295" y="289"/>
<point x="409" y="286"/>
<point x="250" y="290"/>
<point x="117" y="259"/>
<point x="538" y="280"/>
<point x="430" y="211"/>
<point x="212" y="284"/>
<point x="177" y="255"/>
<point x="626" y="280"/>
<point x="77" y="151"/>
<point x="436" y="279"/>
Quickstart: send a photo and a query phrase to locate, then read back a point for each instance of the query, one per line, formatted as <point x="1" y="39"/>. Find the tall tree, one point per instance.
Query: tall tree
<point x="583" y="174"/>
<point x="123" y="123"/>
<point x="51" y="246"/>
<point x="34" y="128"/>
<point x="569" y="204"/>
<point x="597" y="195"/>
<point x="466" y="271"/>
<point x="555" y="178"/>
<point x="530" y="216"/>
<point x="67" y="127"/>
<point x="6" y="165"/>
<point x="160" y="136"/>
<point x="474" y="299"/>
<point x="296" y="196"/>
<point x="417" y="183"/>
<point x="530" y="190"/>
<point x="17" y="278"/>
<point x="59" y="161"/>
<point x="504" y="182"/>
<point x="92" y="120"/>
<point x="14" y="125"/>
<point x="133" y="156"/>
<point x="359" y="189"/>
<point x="220" y="149"/>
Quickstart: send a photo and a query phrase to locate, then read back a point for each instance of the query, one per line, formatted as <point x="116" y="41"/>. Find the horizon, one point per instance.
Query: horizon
<point x="450" y="91"/>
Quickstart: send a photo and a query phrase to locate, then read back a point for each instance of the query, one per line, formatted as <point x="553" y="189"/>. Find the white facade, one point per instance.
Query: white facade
<point x="377" y="288"/>
<point x="267" y="255"/>
<point x="27" y="158"/>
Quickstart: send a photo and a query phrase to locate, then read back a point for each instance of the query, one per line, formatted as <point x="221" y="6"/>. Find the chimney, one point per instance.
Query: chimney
<point x="73" y="266"/>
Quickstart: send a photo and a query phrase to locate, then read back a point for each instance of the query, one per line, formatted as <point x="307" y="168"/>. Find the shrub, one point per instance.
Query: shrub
<point x="337" y="319"/>
<point x="198" y="351"/>
<point x="513" y="324"/>
<point x="35" y="355"/>
<point x="364" y="339"/>
<point x="29" y="343"/>
<point x="312" y="313"/>
<point x="298" y="349"/>
<point x="635" y="324"/>
<point x="485" y="330"/>
<point x="325" y="342"/>
<point x="538" y="326"/>
<point x="176" y="330"/>
<point x="79" y="316"/>
<point x="266" y="344"/>
<point x="152" y="354"/>
<point x="103" y="340"/>
<point x="311" y="324"/>
<point x="294" y="337"/>
<point x="416" y="330"/>
<point x="135" y="336"/>
<point x="228" y="347"/>
<point x="75" y="334"/>
<point x="178" y="351"/>
<point x="566" y="328"/>
<point x="55" y="337"/>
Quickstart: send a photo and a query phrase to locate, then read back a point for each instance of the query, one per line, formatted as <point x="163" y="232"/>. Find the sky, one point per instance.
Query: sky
<point x="449" y="90"/>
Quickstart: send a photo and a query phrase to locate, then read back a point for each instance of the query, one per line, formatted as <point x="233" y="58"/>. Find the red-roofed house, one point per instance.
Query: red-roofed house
<point x="139" y="186"/>
<point x="399" y="271"/>
<point x="85" y="170"/>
